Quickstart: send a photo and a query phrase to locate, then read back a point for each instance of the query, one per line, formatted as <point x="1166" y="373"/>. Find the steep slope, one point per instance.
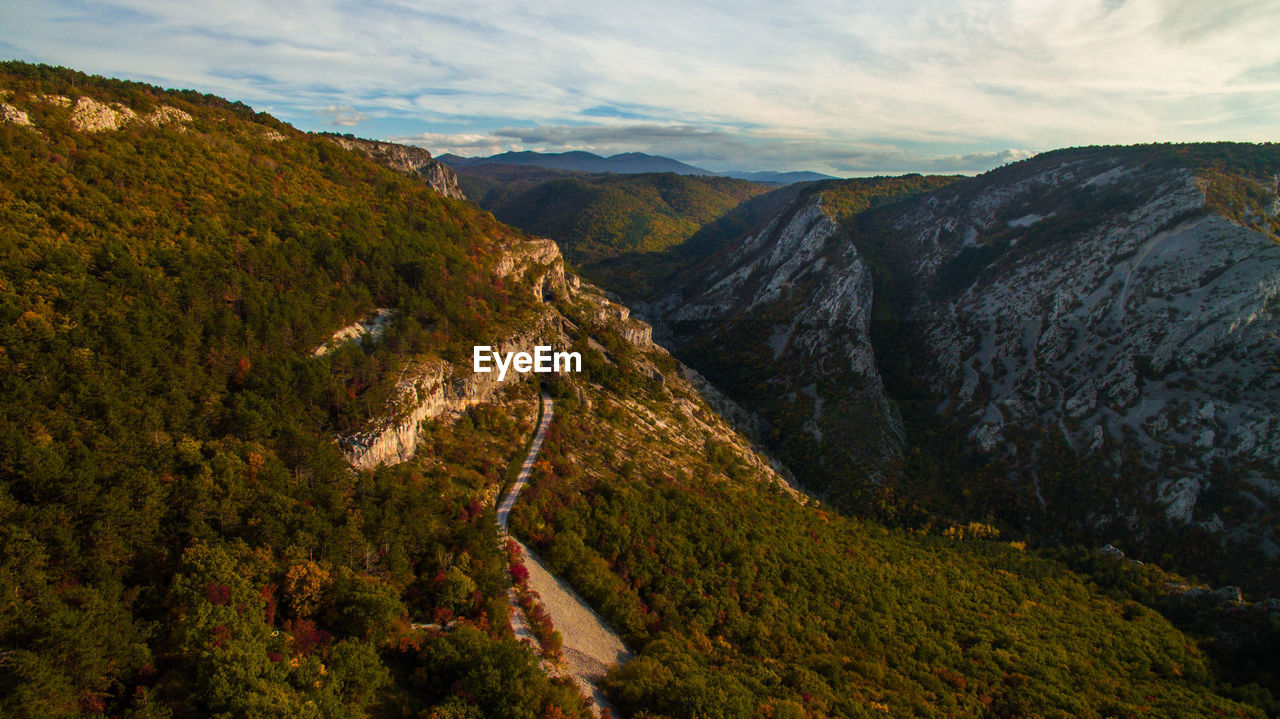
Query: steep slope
<point x="782" y="321"/>
<point x="407" y="159"/>
<point x="1081" y="346"/>
<point x="181" y="533"/>
<point x="597" y="218"/>
<point x="1125" y="301"/>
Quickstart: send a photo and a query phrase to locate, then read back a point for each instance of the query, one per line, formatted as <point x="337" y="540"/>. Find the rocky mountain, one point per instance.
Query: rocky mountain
<point x="1096" y="327"/>
<point x="407" y="159"/>
<point x="1126" y="303"/>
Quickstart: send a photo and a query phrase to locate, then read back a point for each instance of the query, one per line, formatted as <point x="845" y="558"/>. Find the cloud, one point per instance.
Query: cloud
<point x="872" y="83"/>
<point x="344" y="115"/>
<point x="465" y="144"/>
<point x="720" y="149"/>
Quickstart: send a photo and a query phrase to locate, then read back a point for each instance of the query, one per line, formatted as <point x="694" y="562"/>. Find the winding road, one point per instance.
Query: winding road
<point x="590" y="647"/>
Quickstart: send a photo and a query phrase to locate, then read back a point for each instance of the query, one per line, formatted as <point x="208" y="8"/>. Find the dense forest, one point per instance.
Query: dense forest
<point x="181" y="535"/>
<point x="745" y="599"/>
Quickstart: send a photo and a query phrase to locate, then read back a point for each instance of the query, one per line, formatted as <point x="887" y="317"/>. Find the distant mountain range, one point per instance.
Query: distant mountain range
<point x="627" y="163"/>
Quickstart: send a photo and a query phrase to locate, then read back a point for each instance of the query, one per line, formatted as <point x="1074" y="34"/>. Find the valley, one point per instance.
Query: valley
<point x="830" y="449"/>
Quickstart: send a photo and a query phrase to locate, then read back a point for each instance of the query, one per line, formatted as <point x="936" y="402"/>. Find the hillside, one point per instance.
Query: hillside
<point x="246" y="468"/>
<point x="1059" y="346"/>
<point x="597" y="218"/>
<point x="744" y="598"/>
<point x="182" y="534"/>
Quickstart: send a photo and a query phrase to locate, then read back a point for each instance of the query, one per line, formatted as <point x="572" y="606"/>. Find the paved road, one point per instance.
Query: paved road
<point x="590" y="647"/>
<point x="504" y="509"/>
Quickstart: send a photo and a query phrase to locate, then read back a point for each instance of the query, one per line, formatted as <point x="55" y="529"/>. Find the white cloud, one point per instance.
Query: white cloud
<point x="344" y="115"/>
<point x="465" y="144"/>
<point x="960" y="78"/>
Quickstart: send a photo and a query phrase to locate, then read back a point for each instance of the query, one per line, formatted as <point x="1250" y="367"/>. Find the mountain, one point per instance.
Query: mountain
<point x="597" y="218"/>
<point x="182" y="534"/>
<point x="625" y="163"/>
<point x="777" y="178"/>
<point x="1062" y="345"/>
<point x="247" y="468"/>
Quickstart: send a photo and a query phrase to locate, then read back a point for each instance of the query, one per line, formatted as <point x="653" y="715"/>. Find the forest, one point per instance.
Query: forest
<point x="181" y="535"/>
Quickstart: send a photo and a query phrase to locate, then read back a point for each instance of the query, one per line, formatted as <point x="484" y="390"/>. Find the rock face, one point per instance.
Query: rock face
<point x="788" y="311"/>
<point x="1114" y="306"/>
<point x="1102" y="299"/>
<point x="407" y="159"/>
<point x="430" y="390"/>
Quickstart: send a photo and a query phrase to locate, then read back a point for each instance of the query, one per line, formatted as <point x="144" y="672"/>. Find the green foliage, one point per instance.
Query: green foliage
<point x="181" y="534"/>
<point x="744" y="602"/>
<point x="598" y="219"/>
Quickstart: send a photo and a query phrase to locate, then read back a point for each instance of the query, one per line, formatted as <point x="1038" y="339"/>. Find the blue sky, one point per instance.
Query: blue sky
<point x="847" y="88"/>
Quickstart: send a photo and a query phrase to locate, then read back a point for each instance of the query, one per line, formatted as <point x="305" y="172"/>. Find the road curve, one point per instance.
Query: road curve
<point x="590" y="647"/>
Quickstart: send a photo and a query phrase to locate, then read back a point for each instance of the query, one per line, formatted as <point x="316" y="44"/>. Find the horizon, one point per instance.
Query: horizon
<point x="868" y="90"/>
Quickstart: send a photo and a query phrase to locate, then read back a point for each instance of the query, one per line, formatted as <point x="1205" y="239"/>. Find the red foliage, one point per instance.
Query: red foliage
<point x="217" y="594"/>
<point x="93" y="702"/>
<point x="306" y="636"/>
<point x="519" y="573"/>
<point x="220" y="635"/>
<point x="268" y="594"/>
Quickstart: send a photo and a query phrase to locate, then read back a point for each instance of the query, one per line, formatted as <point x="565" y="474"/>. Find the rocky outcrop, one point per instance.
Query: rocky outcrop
<point x="372" y="327"/>
<point x="9" y="113"/>
<point x="789" y="308"/>
<point x="407" y="159"/>
<point x="542" y="258"/>
<point x="429" y="390"/>
<point x="1103" y="299"/>
<point x="432" y="389"/>
<point x="90" y="115"/>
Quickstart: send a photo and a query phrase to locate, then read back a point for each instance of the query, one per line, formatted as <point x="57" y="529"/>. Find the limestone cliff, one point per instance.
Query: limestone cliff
<point x="782" y="322"/>
<point x="1102" y="298"/>
<point x="1093" y="332"/>
<point x="407" y="159"/>
<point x="431" y="389"/>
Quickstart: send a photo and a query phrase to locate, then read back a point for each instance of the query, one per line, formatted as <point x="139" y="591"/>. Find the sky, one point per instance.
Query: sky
<point x="847" y="88"/>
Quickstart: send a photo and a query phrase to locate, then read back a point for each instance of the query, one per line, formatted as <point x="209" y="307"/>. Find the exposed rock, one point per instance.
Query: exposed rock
<point x="407" y="159"/>
<point x="1228" y="594"/>
<point x="373" y="326"/>
<point x="739" y="308"/>
<point x="1111" y="551"/>
<point x="89" y="115"/>
<point x="433" y="389"/>
<point x="429" y="390"/>
<point x="9" y="113"/>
